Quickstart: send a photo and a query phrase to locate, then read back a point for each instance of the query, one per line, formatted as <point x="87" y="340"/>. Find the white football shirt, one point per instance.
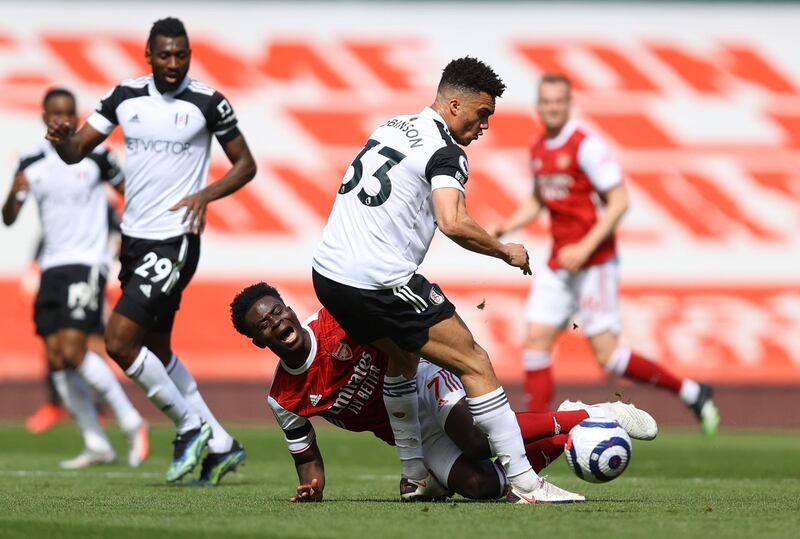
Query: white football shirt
<point x="382" y="221"/>
<point x="73" y="205"/>
<point x="167" y="148"/>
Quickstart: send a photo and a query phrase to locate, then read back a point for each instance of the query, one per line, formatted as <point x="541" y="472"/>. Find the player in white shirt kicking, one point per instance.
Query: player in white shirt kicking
<point x="167" y="120"/>
<point x="409" y="179"/>
<point x="325" y="373"/>
<point x="73" y="212"/>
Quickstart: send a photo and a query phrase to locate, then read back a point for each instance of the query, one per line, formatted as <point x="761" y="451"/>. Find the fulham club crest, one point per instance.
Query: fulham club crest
<point x="181" y="119"/>
<point x="436" y="297"/>
<point x="343" y="352"/>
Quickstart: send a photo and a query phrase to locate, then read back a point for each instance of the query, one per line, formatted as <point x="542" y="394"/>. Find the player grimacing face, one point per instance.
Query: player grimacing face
<point x="275" y="326"/>
<point x="470" y="113"/>
<point x="553" y="105"/>
<point x="61" y="108"/>
<point x="169" y="58"/>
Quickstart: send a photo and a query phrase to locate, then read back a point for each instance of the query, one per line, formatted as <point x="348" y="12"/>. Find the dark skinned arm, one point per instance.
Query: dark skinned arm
<point x="73" y="147"/>
<point x="120" y="188"/>
<point x="310" y="473"/>
<point x="242" y="171"/>
<point x="15" y="199"/>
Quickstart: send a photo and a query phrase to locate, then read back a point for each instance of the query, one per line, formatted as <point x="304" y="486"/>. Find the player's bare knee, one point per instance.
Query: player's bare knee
<point x="474" y="362"/>
<point x="602" y="357"/>
<point x="54" y="359"/>
<point x="73" y="351"/>
<point x="120" y="350"/>
<point x="603" y="346"/>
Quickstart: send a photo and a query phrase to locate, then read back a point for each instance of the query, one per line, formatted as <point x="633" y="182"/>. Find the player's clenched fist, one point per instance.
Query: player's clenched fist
<point x="308" y="493"/>
<point x="58" y="130"/>
<point x="517" y="256"/>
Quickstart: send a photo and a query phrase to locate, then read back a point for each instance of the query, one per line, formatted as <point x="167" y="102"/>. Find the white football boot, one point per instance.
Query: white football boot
<point x="637" y="423"/>
<point x="544" y="492"/>
<point x="138" y="445"/>
<point x="89" y="457"/>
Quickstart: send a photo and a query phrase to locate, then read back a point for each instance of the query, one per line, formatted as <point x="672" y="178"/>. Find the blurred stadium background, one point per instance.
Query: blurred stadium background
<point x="699" y="101"/>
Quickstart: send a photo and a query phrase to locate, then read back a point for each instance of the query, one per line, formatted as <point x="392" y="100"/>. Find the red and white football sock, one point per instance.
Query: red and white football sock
<point x="542" y="452"/>
<point x="538" y="379"/>
<point x="624" y="362"/>
<point x="539" y="425"/>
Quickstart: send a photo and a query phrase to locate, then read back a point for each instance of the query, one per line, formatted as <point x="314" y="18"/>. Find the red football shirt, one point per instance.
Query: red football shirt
<point x="341" y="381"/>
<point x="571" y="172"/>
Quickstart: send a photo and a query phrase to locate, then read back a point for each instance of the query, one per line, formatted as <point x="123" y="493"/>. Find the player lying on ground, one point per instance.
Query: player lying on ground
<point x="323" y="372"/>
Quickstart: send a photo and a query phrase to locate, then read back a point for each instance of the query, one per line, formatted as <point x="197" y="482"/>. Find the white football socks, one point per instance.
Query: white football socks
<point x="402" y="407"/>
<point x="148" y="371"/>
<point x="78" y="400"/>
<point x="493" y="415"/>
<point x="220" y="441"/>
<point x="98" y="375"/>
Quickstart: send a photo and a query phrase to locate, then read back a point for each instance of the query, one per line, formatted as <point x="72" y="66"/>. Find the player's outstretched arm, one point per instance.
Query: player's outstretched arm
<point x="243" y="170"/>
<point x="72" y="146"/>
<point x="452" y="218"/>
<point x="15" y="199"/>
<point x="310" y="473"/>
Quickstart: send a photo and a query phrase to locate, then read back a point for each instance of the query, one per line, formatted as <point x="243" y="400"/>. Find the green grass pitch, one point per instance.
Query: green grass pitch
<point x="741" y="484"/>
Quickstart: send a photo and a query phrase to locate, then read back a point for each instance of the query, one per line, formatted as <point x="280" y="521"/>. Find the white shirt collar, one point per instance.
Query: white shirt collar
<point x="430" y="113"/>
<point x="562" y="137"/>
<point x="151" y="86"/>
<point x="311" y="354"/>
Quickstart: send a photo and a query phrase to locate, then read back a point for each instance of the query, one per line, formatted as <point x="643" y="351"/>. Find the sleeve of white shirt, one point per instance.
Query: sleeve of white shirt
<point x="596" y="161"/>
<point x="104" y="118"/>
<point x="448" y="168"/>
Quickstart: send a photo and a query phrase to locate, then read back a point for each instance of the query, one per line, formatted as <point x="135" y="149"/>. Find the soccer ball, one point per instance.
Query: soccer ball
<point x="598" y="450"/>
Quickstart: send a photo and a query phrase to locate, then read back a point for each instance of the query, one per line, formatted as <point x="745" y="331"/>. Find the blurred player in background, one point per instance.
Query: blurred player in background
<point x="582" y="187"/>
<point x="52" y="411"/>
<point x="167" y="120"/>
<point x="408" y="180"/>
<point x="325" y="373"/>
<point x="73" y="210"/>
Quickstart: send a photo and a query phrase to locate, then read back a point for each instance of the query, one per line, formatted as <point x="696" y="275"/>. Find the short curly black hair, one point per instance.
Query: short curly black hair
<point x="469" y="73"/>
<point x="57" y="92"/>
<point x="245" y="299"/>
<point x="167" y="27"/>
